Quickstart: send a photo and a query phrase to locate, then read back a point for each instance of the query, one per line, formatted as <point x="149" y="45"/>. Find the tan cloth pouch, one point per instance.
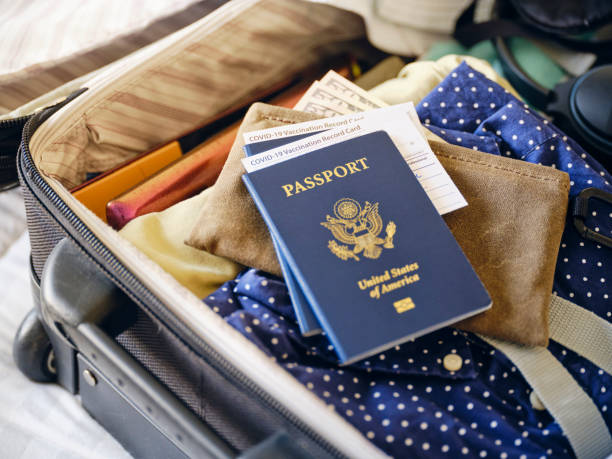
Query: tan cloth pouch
<point x="510" y="230"/>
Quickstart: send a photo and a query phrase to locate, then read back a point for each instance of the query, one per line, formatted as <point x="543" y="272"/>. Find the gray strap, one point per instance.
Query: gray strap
<point x="581" y="331"/>
<point x="564" y="399"/>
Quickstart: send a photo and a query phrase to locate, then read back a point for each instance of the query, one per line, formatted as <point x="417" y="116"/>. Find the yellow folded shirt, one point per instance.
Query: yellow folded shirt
<point x="417" y="79"/>
<point x="160" y="236"/>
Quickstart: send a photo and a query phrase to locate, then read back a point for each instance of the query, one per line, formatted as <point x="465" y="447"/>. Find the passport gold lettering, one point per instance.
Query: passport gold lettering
<point x="380" y="283"/>
<point x="387" y="275"/>
<point x="325" y="176"/>
<point x="374" y="280"/>
<point x="404" y="281"/>
<point x="299" y="187"/>
<point x="381" y="289"/>
<point x="340" y="171"/>
<point x="395" y="272"/>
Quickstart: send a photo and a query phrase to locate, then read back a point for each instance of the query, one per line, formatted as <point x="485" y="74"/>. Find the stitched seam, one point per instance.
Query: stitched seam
<point x="536" y="148"/>
<point x="547" y="179"/>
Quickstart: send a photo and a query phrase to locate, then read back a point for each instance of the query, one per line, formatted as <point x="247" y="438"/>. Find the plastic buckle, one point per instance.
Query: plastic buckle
<point x="581" y="211"/>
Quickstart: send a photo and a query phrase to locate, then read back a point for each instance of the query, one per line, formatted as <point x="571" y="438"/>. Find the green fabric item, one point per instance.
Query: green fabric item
<point x="537" y="64"/>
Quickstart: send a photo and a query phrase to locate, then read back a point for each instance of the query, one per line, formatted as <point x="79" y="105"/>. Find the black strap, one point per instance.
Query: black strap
<point x="471" y="33"/>
<point x="581" y="212"/>
<point x="468" y="34"/>
<point x="534" y="92"/>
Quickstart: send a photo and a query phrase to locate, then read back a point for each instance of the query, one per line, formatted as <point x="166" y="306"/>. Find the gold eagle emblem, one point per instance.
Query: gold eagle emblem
<point x="359" y="227"/>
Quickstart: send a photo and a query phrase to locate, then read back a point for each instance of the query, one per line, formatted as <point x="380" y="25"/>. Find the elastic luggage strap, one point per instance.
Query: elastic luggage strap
<point x="591" y="337"/>
<point x="581" y="331"/>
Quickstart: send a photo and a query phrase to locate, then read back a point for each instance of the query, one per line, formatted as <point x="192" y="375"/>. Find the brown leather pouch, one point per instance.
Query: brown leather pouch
<point x="510" y="230"/>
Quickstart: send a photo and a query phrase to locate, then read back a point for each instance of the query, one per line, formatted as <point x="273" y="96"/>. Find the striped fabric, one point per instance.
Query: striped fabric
<point x="47" y="43"/>
<point x="196" y="78"/>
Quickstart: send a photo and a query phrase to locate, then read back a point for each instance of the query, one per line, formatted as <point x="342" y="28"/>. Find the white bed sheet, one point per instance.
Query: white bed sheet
<point x="36" y="420"/>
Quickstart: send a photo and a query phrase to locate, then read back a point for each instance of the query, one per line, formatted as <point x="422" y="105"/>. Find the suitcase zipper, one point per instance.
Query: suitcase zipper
<point x="14" y="122"/>
<point x="89" y="244"/>
<point x="10" y="133"/>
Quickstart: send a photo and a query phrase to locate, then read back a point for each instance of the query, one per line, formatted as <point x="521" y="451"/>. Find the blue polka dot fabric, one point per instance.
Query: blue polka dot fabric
<point x="470" y="110"/>
<point x="449" y="394"/>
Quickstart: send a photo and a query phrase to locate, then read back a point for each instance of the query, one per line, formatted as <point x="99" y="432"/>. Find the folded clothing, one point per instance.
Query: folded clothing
<point x="407" y="400"/>
<point x="468" y="109"/>
<point x="415" y="80"/>
<point x="160" y="236"/>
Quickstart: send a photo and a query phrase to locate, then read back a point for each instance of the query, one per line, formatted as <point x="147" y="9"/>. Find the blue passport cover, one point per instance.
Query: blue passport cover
<point x="307" y="321"/>
<point x="375" y="261"/>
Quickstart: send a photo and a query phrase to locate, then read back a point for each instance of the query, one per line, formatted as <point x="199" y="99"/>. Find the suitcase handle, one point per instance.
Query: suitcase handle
<point x="81" y="310"/>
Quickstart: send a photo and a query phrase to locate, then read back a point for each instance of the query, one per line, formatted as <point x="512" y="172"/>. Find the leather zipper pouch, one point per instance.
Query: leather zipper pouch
<point x="510" y="230"/>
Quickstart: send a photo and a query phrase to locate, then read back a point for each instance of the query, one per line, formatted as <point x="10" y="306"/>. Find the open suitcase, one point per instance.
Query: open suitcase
<point x="154" y="379"/>
<point x="165" y="375"/>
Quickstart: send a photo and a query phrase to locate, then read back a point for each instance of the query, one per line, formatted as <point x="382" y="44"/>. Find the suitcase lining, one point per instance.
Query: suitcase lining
<point x="194" y="80"/>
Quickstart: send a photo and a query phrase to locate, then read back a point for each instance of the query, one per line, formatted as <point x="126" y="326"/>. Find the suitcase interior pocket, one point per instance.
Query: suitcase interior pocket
<point x="212" y="65"/>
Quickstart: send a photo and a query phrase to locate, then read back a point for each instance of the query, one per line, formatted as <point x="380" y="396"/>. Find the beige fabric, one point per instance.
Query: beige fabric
<point x="433" y="15"/>
<point x="564" y="399"/>
<point x="510" y="230"/>
<point x="416" y="79"/>
<point x="160" y="236"/>
<point x="581" y="331"/>
<point x="405" y="27"/>
<point x="230" y="223"/>
<point x="50" y="98"/>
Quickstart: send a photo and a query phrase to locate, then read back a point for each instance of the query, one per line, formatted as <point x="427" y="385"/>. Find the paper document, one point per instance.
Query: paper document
<point x="396" y="120"/>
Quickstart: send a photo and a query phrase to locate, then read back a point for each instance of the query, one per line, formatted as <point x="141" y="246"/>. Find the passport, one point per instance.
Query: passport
<point x="307" y="321"/>
<point x="371" y="254"/>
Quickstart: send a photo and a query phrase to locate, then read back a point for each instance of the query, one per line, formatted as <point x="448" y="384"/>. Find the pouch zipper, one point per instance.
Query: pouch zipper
<point x="135" y="289"/>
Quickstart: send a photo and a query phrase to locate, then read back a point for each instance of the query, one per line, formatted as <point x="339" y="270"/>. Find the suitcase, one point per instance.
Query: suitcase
<point x="167" y="377"/>
<point x="160" y="384"/>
